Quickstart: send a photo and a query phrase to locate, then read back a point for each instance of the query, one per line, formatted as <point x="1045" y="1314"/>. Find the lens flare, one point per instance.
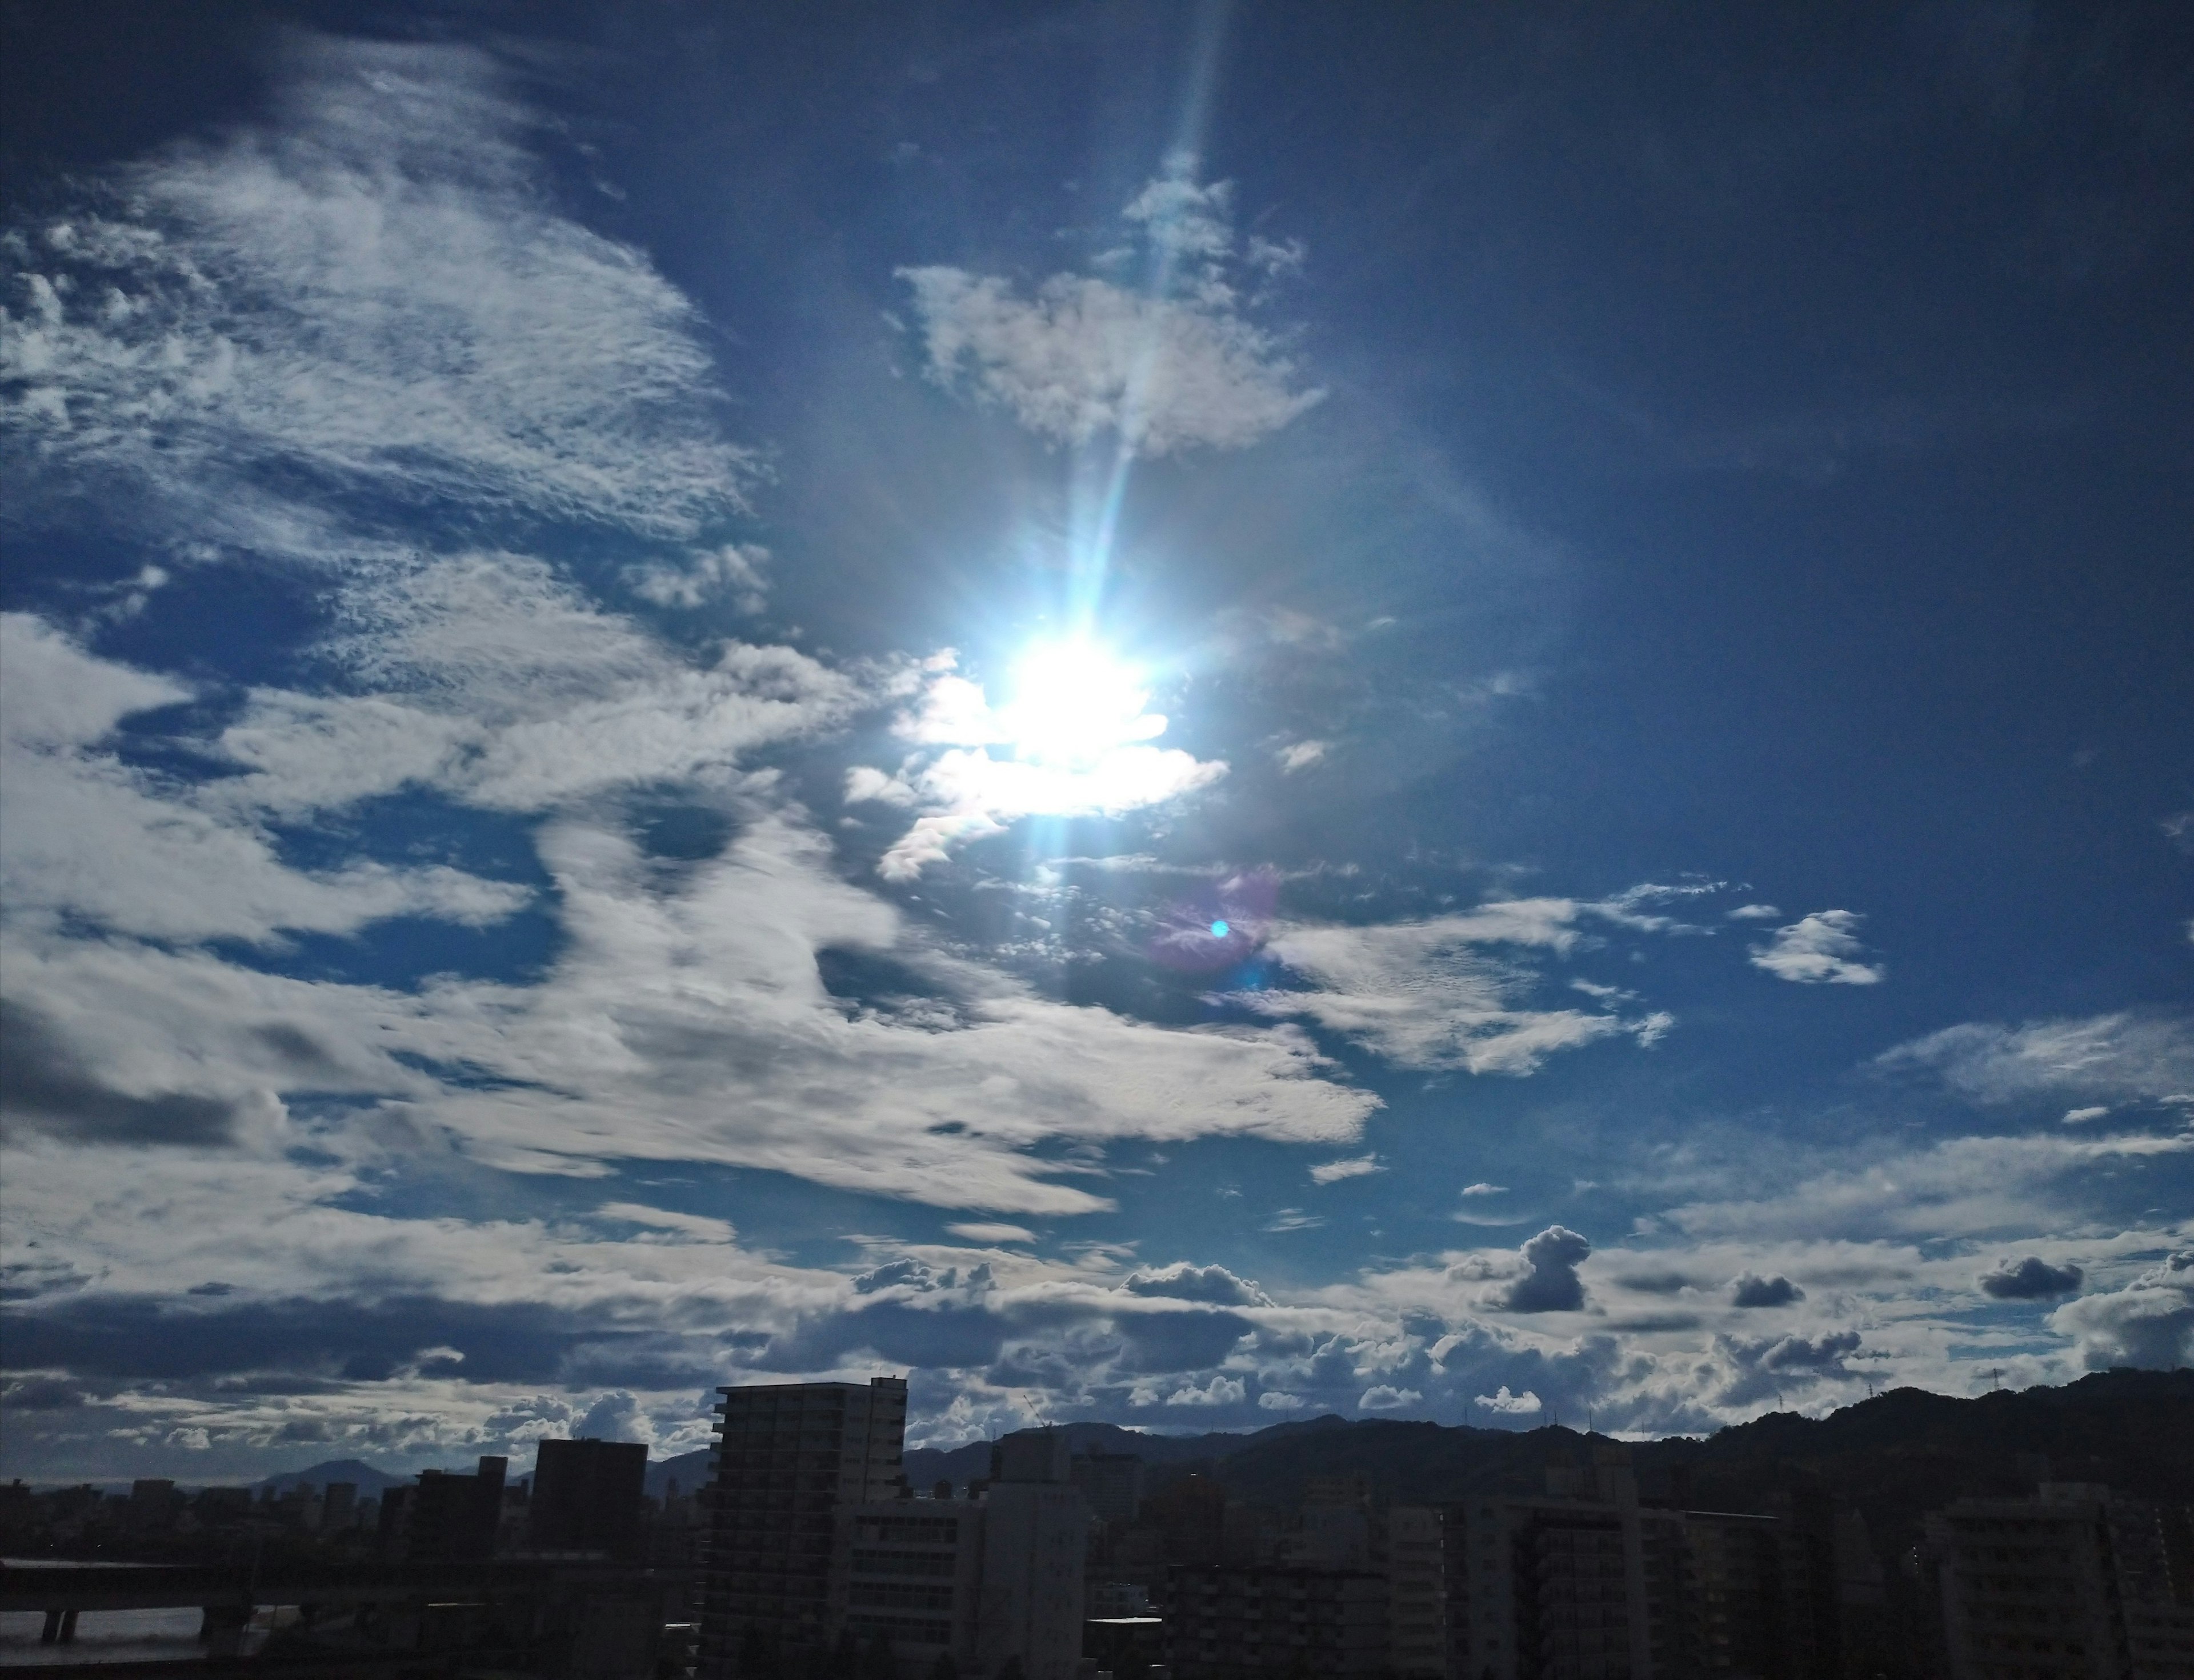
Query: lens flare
<point x="1074" y="702"/>
<point x="1219" y="930"/>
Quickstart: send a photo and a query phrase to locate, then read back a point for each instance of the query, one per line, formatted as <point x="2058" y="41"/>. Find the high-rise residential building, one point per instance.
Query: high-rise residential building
<point x="1587" y="1584"/>
<point x="1416" y="1593"/>
<point x="444" y="1518"/>
<point x="2075" y="1584"/>
<point x="989" y="1580"/>
<point x="1035" y="1536"/>
<point x="790" y="1457"/>
<point x="587" y="1497"/>
<point x="1112" y="1482"/>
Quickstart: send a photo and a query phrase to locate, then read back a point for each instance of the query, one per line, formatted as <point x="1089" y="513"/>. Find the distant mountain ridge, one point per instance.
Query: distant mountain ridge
<point x="371" y="1482"/>
<point x="1893" y="1456"/>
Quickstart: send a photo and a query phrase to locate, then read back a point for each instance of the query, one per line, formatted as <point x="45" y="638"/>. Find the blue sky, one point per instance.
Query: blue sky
<point x="1179" y="717"/>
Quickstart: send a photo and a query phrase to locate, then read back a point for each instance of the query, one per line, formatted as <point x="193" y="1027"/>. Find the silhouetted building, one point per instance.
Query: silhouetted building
<point x="1230" y="1623"/>
<point x="587" y="1497"/>
<point x="1586" y="1584"/>
<point x="339" y="1507"/>
<point x="1112" y="1482"/>
<point x="444" y="1518"/>
<point x="789" y="1457"/>
<point x="2074" y="1583"/>
<point x="1416" y="1593"/>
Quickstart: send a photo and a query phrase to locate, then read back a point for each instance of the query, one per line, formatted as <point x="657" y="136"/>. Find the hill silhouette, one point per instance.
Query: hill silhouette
<point x="1894" y="1457"/>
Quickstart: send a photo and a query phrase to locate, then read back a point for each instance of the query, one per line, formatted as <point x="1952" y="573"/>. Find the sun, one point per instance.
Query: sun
<point x="1075" y="702"/>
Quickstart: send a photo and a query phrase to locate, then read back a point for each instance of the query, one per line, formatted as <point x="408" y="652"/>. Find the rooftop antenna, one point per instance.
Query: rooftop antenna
<point x="1995" y="1374"/>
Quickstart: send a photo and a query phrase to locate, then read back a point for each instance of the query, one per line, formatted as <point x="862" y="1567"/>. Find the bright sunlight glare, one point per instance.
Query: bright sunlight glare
<point x="1075" y="701"/>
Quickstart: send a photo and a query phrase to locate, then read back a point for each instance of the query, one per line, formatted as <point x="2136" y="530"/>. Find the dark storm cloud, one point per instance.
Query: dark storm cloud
<point x="1165" y="1341"/>
<point x="43" y="1083"/>
<point x="1548" y="1282"/>
<point x="137" y="1339"/>
<point x="42" y="1394"/>
<point x="901" y="1332"/>
<point x="2032" y="1278"/>
<point x="1751" y="1290"/>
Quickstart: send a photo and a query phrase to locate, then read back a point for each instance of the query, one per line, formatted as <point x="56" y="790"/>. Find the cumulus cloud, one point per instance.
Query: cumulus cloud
<point x="1433" y="994"/>
<point x="1751" y="1290"/>
<point x="1753" y="912"/>
<point x="1218" y="1391"/>
<point x="2149" y="1323"/>
<point x="1823" y="948"/>
<point x="1383" y="1397"/>
<point x="2032" y="1278"/>
<point x="1523" y="1404"/>
<point x="1302" y="754"/>
<point x="1752" y="1369"/>
<point x="2124" y="1055"/>
<point x="1178" y="367"/>
<point x="1549" y="1281"/>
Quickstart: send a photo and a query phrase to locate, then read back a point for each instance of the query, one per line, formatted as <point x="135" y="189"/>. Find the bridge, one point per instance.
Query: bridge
<point x="524" y="1595"/>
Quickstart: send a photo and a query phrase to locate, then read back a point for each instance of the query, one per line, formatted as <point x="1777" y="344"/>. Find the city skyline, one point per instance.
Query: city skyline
<point x="1172" y="715"/>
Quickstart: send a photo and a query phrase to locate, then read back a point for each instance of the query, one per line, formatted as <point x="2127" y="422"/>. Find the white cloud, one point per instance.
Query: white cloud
<point x="92" y="837"/>
<point x="1753" y="912"/>
<point x="491" y="678"/>
<point x="2077" y="1117"/>
<point x="1484" y="1190"/>
<point x="1822" y="948"/>
<point x="1427" y="994"/>
<point x="1302" y="754"/>
<point x="2125" y="1056"/>
<point x="2148" y="1323"/>
<point x="1272" y="1399"/>
<point x="1218" y="1391"/>
<point x="1384" y="1397"/>
<point x="1973" y="1188"/>
<point x="985" y="1230"/>
<point x="1523" y="1404"/>
<point x="373" y="293"/>
<point x="1166" y="371"/>
<point x="735" y="571"/>
<point x="1357" y="1166"/>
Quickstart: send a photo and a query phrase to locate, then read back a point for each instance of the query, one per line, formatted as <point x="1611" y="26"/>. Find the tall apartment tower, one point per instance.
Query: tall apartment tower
<point x="587" y="1497"/>
<point x="789" y="1457"/>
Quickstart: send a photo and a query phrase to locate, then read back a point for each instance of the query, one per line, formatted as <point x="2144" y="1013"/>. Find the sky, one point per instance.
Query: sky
<point x="1175" y="716"/>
